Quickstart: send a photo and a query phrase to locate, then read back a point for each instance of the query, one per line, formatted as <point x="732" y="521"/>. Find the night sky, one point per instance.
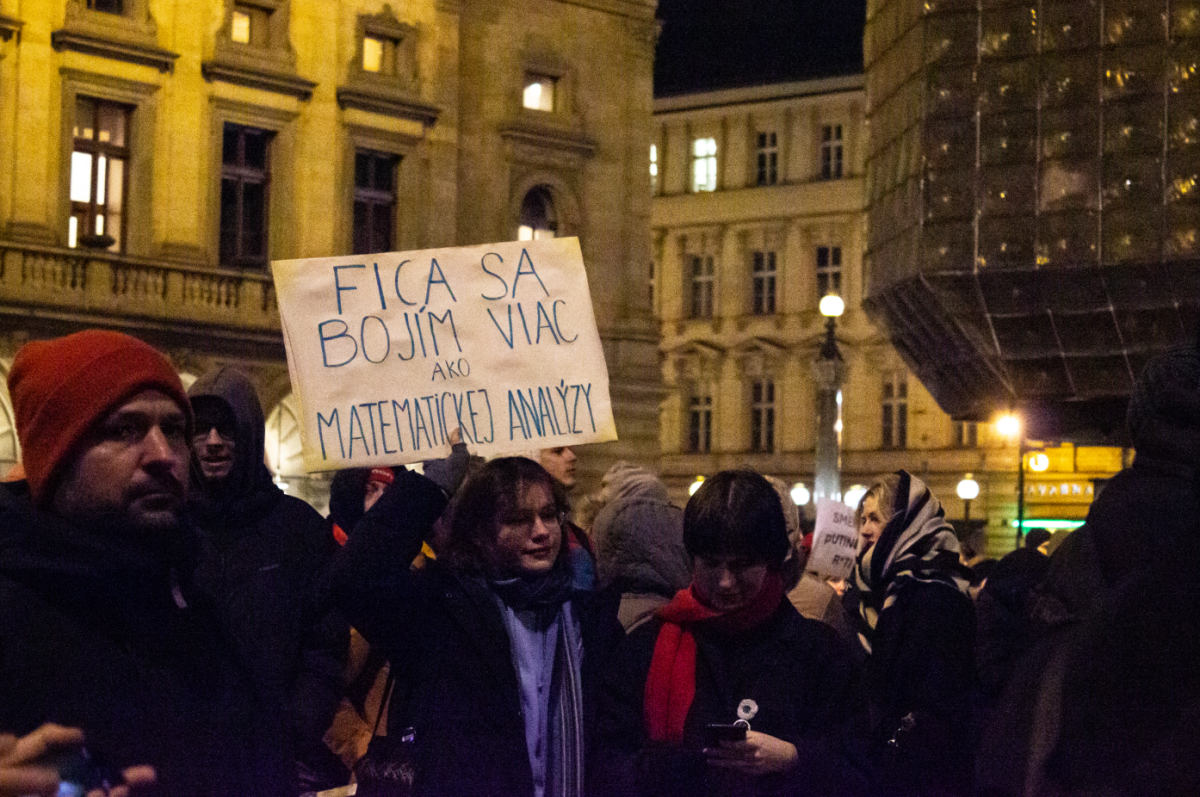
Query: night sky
<point x="717" y="44"/>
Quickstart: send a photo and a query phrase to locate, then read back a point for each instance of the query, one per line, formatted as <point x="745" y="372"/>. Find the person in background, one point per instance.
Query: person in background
<point x="102" y="627"/>
<point x="496" y="651"/>
<point x="917" y="625"/>
<point x="819" y="598"/>
<point x="560" y="463"/>
<point x="731" y="648"/>
<point x="266" y="560"/>
<point x="638" y="536"/>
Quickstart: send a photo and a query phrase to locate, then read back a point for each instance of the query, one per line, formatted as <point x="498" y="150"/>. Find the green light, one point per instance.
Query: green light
<point x="1049" y="525"/>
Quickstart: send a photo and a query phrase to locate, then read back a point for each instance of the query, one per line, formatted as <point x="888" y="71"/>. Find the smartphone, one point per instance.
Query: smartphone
<point x="716" y="732"/>
<point x="78" y="772"/>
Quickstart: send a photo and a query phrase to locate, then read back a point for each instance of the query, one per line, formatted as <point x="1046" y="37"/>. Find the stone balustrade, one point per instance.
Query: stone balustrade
<point x="100" y="284"/>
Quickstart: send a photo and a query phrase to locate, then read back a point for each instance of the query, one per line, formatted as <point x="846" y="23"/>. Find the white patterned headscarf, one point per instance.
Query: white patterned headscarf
<point x="916" y="545"/>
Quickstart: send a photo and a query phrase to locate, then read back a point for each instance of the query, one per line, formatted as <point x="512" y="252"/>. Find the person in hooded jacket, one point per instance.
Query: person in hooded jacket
<point x="266" y="560"/>
<point x="102" y="627"/>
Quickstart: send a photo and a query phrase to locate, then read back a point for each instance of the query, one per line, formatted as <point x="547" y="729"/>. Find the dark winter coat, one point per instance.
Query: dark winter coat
<point x="922" y="664"/>
<point x="100" y="633"/>
<point x="443" y="632"/>
<point x="804" y="681"/>
<point x="266" y="560"/>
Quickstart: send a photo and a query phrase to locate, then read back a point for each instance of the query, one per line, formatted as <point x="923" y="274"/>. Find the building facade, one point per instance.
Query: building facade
<point x="156" y="156"/>
<point x="758" y="213"/>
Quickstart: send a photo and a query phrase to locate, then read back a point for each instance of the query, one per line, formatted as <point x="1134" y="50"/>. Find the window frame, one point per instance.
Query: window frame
<point x="894" y="411"/>
<point x="966" y="434"/>
<point x="762" y="416"/>
<point x="832" y="152"/>
<point x="828" y="270"/>
<point x="374" y="198"/>
<point x="764" y="282"/>
<point x="247" y="175"/>
<point x="711" y="165"/>
<point x="97" y="149"/>
<point x="700" y="419"/>
<point x="767" y="158"/>
<point x="138" y="205"/>
<point x="702" y="272"/>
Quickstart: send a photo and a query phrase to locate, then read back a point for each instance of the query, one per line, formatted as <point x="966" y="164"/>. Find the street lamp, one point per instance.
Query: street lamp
<point x="800" y="494"/>
<point x="695" y="485"/>
<point x="968" y="490"/>
<point x="828" y="369"/>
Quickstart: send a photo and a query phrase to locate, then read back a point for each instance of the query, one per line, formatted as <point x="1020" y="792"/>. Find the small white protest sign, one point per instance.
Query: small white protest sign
<point x="835" y="540"/>
<point x="389" y="353"/>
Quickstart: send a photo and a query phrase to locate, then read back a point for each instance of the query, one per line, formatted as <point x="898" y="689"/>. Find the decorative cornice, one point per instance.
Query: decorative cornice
<point x="9" y="26"/>
<point x="121" y="50"/>
<point x="398" y="104"/>
<point x="267" y="80"/>
<point x="550" y="138"/>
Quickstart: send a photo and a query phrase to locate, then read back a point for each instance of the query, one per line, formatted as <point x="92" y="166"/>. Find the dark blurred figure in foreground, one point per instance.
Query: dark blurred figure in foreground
<point x="266" y="561"/>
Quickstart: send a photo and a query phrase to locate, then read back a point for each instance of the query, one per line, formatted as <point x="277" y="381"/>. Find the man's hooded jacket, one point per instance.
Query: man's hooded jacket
<point x="266" y="558"/>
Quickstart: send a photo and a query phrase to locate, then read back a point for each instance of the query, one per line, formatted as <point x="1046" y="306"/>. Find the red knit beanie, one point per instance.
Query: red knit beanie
<point x="61" y="388"/>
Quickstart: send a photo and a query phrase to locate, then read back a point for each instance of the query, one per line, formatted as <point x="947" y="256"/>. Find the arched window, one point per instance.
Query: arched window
<point x="538" y="219"/>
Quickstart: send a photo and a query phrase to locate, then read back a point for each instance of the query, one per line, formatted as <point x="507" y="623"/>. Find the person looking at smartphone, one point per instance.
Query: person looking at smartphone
<point x="731" y="649"/>
<point x="101" y="626"/>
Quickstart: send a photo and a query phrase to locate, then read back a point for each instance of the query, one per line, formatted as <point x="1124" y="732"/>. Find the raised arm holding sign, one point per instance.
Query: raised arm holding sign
<point x="389" y="353"/>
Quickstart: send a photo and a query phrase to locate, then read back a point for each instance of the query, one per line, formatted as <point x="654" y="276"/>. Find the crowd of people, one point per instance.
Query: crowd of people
<point x="173" y="623"/>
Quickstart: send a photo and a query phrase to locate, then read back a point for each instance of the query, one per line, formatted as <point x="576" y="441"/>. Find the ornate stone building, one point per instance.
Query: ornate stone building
<point x="758" y="212"/>
<point x="155" y="156"/>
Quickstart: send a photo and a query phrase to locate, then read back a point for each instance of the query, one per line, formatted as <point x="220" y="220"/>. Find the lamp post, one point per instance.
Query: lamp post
<point x="829" y="372"/>
<point x="968" y="490"/>
<point x="1010" y="426"/>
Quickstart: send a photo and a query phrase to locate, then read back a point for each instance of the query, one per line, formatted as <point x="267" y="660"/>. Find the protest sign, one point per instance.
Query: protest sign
<point x="389" y="353"/>
<point x="835" y="540"/>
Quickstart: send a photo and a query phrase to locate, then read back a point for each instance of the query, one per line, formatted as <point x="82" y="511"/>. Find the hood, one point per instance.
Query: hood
<point x="249" y="475"/>
<point x="639" y="546"/>
<point x="626" y="480"/>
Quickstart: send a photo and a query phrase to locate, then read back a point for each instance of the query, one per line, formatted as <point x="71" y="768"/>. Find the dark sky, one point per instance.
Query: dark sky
<point x="717" y="44"/>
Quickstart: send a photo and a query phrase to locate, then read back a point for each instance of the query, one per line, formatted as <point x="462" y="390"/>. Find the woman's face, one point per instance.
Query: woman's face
<point x="873" y="521"/>
<point x="726" y="582"/>
<point x="530" y="536"/>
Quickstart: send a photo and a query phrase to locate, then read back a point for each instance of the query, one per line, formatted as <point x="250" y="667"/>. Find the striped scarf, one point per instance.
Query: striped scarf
<point x="916" y="545"/>
<point x="564" y="769"/>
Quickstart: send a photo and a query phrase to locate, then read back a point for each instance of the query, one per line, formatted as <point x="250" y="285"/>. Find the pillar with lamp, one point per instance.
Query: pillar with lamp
<point x="1009" y="426"/>
<point x="829" y="369"/>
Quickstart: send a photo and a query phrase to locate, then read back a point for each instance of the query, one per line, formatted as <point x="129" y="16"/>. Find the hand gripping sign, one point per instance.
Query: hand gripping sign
<point x="835" y="540"/>
<point x="389" y="353"/>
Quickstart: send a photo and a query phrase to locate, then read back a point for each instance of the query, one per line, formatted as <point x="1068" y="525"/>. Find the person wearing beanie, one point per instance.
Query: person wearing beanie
<point x="102" y="626"/>
<point x="266" y="559"/>
<point x="730" y="650"/>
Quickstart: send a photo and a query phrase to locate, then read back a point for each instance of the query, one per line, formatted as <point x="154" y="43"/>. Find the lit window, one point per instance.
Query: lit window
<point x="372" y="54"/>
<point x="762" y="416"/>
<point x="374" y="202"/>
<point x="700" y="408"/>
<point x="249" y="24"/>
<point x="831" y="152"/>
<point x="653" y="167"/>
<point x="829" y="271"/>
<point x="538" y="219"/>
<point x="245" y="177"/>
<point x="702" y="286"/>
<point x="768" y="159"/>
<point x="895" y="410"/>
<point x="99" y="154"/>
<point x="764" y="283"/>
<point x="704" y="164"/>
<point x="539" y="93"/>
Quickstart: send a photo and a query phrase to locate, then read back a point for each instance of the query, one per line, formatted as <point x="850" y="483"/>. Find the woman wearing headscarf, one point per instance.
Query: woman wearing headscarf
<point x="917" y="625"/>
<point x="494" y="648"/>
<point x="731" y="650"/>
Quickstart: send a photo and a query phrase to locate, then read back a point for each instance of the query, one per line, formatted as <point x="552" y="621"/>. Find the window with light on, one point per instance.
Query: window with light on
<point x="98" y="159"/>
<point x="539" y="93"/>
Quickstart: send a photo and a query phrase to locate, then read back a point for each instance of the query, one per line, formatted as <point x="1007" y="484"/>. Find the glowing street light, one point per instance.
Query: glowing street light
<point x="1009" y="425"/>
<point x="853" y="495"/>
<point x="1039" y="462"/>
<point x="968" y="490"/>
<point x="695" y="485"/>
<point x="800" y="494"/>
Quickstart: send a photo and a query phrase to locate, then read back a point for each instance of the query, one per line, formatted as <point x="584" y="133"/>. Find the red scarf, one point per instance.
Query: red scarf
<point x="671" y="684"/>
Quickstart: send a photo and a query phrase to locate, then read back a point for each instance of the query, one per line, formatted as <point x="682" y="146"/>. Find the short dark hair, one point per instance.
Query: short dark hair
<point x="736" y="512"/>
<point x="485" y="497"/>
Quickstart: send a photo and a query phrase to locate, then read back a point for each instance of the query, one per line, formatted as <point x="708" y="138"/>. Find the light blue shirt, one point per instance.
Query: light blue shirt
<point x="533" y="635"/>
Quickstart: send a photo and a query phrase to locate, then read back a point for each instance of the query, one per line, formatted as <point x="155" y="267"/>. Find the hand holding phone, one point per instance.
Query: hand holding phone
<point x="716" y="732"/>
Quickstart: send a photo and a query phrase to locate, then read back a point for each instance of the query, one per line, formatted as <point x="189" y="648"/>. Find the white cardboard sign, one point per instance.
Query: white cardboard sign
<point x="389" y="353"/>
<point x="835" y="540"/>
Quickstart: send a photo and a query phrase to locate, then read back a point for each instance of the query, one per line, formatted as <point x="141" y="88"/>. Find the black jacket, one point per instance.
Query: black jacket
<point x="266" y="558"/>
<point x="808" y="690"/>
<point x="106" y="635"/>
<point x="456" y="686"/>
